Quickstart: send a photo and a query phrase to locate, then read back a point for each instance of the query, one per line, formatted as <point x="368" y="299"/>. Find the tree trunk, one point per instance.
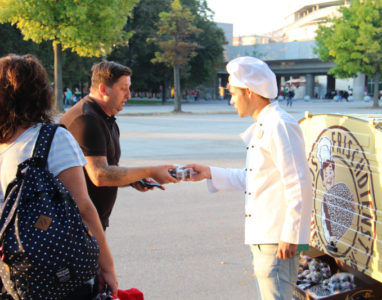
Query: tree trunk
<point x="177" y="104"/>
<point x="165" y="89"/>
<point x="58" y="94"/>
<point x="377" y="76"/>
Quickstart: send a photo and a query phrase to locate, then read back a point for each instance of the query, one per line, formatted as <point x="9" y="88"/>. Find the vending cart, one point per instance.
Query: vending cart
<point x="345" y="160"/>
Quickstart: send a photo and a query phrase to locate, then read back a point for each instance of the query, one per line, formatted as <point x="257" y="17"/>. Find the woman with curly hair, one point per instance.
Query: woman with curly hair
<point x="26" y="103"/>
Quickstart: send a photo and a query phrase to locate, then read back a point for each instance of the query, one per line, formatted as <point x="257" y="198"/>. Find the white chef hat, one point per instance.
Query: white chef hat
<point x="324" y="150"/>
<point x="253" y="73"/>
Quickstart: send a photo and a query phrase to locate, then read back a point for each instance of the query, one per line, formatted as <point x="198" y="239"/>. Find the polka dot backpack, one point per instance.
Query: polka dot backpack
<point x="46" y="250"/>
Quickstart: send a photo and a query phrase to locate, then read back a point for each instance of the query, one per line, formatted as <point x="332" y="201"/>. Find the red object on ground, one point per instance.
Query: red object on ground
<point x="130" y="294"/>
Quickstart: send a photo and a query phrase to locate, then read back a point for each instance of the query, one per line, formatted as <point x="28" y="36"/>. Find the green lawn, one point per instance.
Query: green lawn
<point x="146" y="101"/>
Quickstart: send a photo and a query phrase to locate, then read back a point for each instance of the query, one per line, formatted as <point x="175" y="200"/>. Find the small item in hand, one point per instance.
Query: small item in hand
<point x="148" y="184"/>
<point x="181" y="173"/>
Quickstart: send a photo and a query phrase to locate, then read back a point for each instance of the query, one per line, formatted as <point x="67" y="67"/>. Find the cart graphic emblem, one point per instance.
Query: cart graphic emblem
<point x="344" y="212"/>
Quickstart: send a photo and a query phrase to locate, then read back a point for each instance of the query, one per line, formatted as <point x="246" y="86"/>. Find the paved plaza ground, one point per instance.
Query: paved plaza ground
<point x="184" y="243"/>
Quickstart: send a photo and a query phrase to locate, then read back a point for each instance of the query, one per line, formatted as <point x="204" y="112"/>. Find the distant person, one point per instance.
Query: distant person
<point x="68" y="97"/>
<point x="338" y="96"/>
<point x="93" y="124"/>
<point x="196" y="95"/>
<point x="276" y="179"/>
<point x="77" y="95"/>
<point x="345" y="95"/>
<point x="284" y="92"/>
<point x="227" y="95"/>
<point x="84" y="92"/>
<point x="290" y="97"/>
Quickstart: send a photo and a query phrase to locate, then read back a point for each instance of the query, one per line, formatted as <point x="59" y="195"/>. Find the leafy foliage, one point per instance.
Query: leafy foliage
<point x="354" y="40"/>
<point x="88" y="27"/>
<point x="174" y="31"/>
<point x="173" y="37"/>
<point x="76" y="69"/>
<point x="138" y="54"/>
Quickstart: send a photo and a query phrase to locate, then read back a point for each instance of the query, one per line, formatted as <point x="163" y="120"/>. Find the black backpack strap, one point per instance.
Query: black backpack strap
<point x="43" y="143"/>
<point x="40" y="152"/>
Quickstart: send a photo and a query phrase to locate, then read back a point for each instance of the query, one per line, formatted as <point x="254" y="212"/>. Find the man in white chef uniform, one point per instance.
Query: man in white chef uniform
<point x="276" y="180"/>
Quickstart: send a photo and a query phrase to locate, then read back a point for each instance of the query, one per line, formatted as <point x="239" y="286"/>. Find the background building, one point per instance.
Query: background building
<point x="289" y="51"/>
<point x="303" y="20"/>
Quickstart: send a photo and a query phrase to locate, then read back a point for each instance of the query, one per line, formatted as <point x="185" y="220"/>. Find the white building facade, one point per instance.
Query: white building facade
<point x="292" y="45"/>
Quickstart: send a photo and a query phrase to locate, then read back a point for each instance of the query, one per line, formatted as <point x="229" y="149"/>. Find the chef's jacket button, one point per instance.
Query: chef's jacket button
<point x="253" y="146"/>
<point x="250" y="170"/>
<point x="245" y="192"/>
<point x="247" y="148"/>
<point x="249" y="215"/>
<point x="249" y="193"/>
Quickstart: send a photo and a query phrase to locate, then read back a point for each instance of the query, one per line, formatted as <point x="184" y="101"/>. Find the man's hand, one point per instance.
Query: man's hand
<point x="286" y="250"/>
<point x="200" y="172"/>
<point x="139" y="187"/>
<point x="161" y="174"/>
<point x="143" y="188"/>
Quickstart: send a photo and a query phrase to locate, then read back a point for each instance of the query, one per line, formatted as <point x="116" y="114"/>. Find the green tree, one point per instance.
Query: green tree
<point x="12" y="42"/>
<point x="210" y="58"/>
<point x="87" y="27"/>
<point x="147" y="76"/>
<point x="354" y="41"/>
<point x="175" y="29"/>
<point x="76" y="69"/>
<point x="138" y="53"/>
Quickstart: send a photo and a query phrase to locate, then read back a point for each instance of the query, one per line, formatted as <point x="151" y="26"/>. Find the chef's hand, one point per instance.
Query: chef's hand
<point x="286" y="250"/>
<point x="199" y="172"/>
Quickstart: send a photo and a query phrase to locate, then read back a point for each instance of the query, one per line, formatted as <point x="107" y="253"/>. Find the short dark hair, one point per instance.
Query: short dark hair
<point x="326" y="164"/>
<point x="108" y="73"/>
<point x="26" y="97"/>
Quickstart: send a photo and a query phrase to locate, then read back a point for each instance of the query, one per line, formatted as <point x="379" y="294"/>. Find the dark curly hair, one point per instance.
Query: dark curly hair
<point x="26" y="97"/>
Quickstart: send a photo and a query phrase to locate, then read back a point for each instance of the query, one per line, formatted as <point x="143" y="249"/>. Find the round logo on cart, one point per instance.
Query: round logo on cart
<point x="344" y="218"/>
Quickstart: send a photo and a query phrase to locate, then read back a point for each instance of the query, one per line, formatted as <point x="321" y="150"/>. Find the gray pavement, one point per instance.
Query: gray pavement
<point x="221" y="107"/>
<point x="184" y="243"/>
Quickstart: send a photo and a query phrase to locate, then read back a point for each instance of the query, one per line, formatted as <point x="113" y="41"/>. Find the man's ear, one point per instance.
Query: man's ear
<point x="249" y="92"/>
<point x="102" y="88"/>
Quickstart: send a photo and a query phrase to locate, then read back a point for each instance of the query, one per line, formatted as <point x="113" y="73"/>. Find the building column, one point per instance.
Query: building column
<point x="330" y="83"/>
<point x="278" y="80"/>
<point x="359" y="86"/>
<point x="309" y="85"/>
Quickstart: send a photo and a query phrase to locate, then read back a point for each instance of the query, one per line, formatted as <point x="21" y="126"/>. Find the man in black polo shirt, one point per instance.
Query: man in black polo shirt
<point x="93" y="125"/>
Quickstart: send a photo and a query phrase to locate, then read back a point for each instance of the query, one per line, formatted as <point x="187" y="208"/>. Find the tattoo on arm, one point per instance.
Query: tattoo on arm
<point x="114" y="173"/>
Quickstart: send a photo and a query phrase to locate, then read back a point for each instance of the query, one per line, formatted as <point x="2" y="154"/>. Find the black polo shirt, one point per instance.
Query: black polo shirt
<point x="98" y="135"/>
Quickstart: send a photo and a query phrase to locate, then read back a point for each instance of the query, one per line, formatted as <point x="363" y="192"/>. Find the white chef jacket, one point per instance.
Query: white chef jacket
<point x="276" y="180"/>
